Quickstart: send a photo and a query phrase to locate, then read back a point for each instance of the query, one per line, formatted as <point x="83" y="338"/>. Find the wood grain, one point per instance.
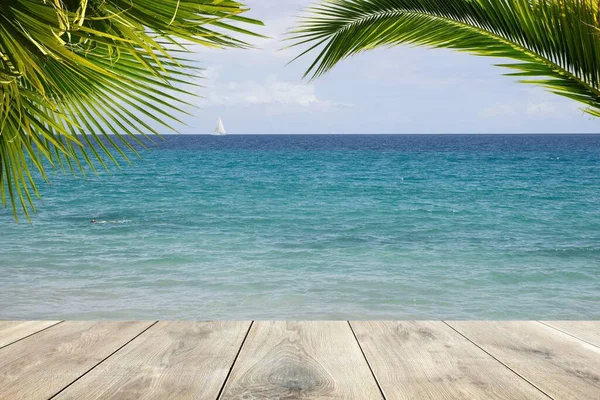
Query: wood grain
<point x="562" y="366"/>
<point x="301" y="360"/>
<point x="173" y="360"/>
<point x="429" y="360"/>
<point x="41" y="365"/>
<point x="11" y="331"/>
<point x="588" y="331"/>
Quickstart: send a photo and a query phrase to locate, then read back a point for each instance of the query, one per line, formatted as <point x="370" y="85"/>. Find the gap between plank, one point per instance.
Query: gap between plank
<point x="567" y="333"/>
<point x="234" y="361"/>
<point x="367" y="361"/>
<point x="31" y="334"/>
<point x="101" y="361"/>
<point x="489" y="354"/>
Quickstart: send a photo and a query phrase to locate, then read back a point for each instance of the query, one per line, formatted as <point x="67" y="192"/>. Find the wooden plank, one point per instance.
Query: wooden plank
<point x="429" y="360"/>
<point x="558" y="364"/>
<point x="173" y="360"/>
<point x="41" y="365"/>
<point x="301" y="360"/>
<point x="588" y="331"/>
<point x="11" y="331"/>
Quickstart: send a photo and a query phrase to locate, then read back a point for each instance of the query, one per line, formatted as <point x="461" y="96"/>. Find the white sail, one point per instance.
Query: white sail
<point x="220" y="129"/>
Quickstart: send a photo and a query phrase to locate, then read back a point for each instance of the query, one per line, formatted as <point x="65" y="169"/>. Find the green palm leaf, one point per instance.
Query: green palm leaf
<point x="79" y="79"/>
<point x="554" y="43"/>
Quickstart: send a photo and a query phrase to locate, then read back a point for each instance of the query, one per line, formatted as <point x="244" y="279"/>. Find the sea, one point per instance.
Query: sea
<point x="316" y="227"/>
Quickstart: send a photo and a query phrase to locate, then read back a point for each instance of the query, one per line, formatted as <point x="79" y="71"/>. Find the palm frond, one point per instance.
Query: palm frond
<point x="553" y="43"/>
<point x="73" y="73"/>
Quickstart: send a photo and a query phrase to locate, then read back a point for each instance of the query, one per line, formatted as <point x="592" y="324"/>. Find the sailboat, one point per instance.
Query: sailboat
<point x="220" y="129"/>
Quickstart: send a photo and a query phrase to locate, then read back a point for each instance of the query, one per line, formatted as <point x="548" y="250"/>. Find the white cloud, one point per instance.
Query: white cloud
<point x="406" y="74"/>
<point x="541" y="109"/>
<point x="404" y="66"/>
<point x="498" y="110"/>
<point x="515" y="109"/>
<point x="251" y="92"/>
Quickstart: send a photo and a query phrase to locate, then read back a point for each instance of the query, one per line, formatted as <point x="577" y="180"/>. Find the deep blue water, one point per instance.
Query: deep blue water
<point x="318" y="227"/>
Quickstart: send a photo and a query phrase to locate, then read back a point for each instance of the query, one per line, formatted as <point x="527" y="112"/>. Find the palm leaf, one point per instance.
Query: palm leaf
<point x="553" y="43"/>
<point x="73" y="73"/>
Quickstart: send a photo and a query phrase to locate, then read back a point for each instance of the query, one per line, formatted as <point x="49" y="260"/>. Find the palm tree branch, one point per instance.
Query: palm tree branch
<point x="61" y="60"/>
<point x="347" y="27"/>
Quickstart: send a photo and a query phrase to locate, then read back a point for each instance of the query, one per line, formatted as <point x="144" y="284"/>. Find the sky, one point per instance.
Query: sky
<point x="390" y="90"/>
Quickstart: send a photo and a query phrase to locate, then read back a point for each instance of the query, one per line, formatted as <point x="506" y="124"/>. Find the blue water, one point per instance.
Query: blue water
<point x="317" y="227"/>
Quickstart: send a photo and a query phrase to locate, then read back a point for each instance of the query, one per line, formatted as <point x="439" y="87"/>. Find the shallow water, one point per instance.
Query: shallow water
<point x="318" y="227"/>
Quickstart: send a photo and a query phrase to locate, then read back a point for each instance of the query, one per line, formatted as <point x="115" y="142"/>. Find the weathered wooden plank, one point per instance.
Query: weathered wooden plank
<point x="41" y="365"/>
<point x="558" y="364"/>
<point x="11" y="331"/>
<point x="429" y="360"/>
<point x="301" y="360"/>
<point x="173" y="360"/>
<point x="588" y="331"/>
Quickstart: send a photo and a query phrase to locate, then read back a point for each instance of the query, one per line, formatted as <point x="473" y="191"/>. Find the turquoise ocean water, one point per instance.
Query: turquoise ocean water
<point x="318" y="227"/>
